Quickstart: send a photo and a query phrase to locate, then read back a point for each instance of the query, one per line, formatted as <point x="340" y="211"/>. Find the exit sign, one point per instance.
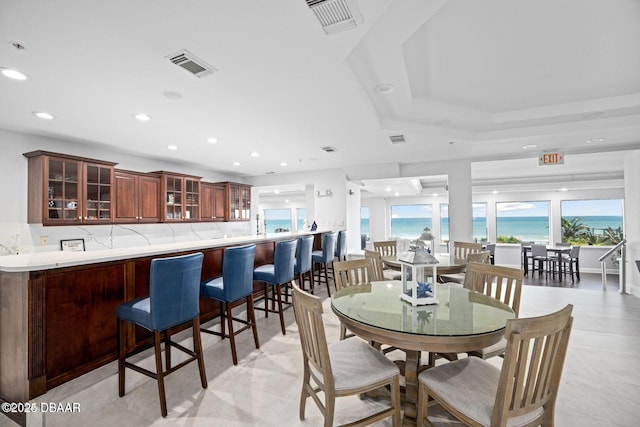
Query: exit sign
<point x="551" y="158"/>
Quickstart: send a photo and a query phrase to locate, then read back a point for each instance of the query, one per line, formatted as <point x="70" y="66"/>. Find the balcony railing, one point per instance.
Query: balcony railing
<point x="618" y="255"/>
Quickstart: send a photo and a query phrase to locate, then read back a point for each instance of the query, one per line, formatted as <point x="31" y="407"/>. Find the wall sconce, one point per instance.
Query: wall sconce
<point x="327" y="193"/>
<point x="351" y="192"/>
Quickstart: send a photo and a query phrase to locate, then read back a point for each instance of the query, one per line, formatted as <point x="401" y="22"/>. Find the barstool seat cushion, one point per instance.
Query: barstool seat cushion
<point x="213" y="288"/>
<point x="137" y="311"/>
<point x="265" y="273"/>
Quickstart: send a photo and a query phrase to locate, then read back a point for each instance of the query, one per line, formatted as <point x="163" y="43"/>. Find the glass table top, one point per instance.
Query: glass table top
<point x="458" y="313"/>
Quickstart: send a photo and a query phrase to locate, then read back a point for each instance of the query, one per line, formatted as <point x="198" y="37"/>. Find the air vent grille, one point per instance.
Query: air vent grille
<point x="329" y="149"/>
<point x="194" y="65"/>
<point x="336" y="15"/>
<point x="397" y="139"/>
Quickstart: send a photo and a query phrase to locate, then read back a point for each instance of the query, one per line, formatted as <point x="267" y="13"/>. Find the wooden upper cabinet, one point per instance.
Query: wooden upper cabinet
<point x="69" y="189"/>
<point x="137" y="197"/>
<point x="238" y="198"/>
<point x="180" y="197"/>
<point x="212" y="202"/>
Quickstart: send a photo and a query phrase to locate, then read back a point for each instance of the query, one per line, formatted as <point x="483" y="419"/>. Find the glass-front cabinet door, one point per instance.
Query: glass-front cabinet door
<point x="192" y="202"/>
<point x="63" y="191"/>
<point x="99" y="181"/>
<point x="173" y="198"/>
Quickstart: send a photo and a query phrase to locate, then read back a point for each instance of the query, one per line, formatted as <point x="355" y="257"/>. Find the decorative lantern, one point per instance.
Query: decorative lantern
<point x="417" y="287"/>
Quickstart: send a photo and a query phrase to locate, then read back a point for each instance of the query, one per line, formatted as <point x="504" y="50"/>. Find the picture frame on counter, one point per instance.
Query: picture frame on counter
<point x="72" y="245"/>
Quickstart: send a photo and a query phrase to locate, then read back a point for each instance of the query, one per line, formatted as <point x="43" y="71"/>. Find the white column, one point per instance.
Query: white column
<point x="632" y="223"/>
<point x="460" y="203"/>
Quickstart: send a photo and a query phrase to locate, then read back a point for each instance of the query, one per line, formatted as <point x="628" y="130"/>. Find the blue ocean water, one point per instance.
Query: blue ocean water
<point x="524" y="228"/>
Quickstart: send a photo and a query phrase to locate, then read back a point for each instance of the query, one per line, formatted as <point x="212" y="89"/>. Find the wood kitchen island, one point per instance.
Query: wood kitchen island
<point x="57" y="309"/>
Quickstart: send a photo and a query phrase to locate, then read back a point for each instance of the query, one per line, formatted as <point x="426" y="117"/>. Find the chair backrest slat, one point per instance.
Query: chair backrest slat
<point x="533" y="362"/>
<point x="496" y="281"/>
<point x="376" y="263"/>
<point x="386" y="248"/>
<point x="308" y="314"/>
<point x="462" y="249"/>
<point x="352" y="272"/>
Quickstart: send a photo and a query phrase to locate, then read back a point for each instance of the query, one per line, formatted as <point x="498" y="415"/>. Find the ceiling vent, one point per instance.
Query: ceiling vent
<point x="397" y="139"/>
<point x="336" y="15"/>
<point x="329" y="149"/>
<point x="194" y="65"/>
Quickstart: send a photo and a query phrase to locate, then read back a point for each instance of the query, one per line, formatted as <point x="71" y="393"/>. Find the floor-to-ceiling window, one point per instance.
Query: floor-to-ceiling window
<point x="408" y="221"/>
<point x="480" y="222"/>
<point x="522" y="221"/>
<point x="277" y="220"/>
<point x="364" y="220"/>
<point x="301" y="214"/>
<point x="592" y="222"/>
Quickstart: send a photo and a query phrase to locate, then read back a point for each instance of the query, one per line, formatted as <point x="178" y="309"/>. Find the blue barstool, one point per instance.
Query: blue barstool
<point x="325" y="256"/>
<point x="341" y="246"/>
<point x="302" y="266"/>
<point x="174" y="285"/>
<point x="235" y="284"/>
<point x="276" y="275"/>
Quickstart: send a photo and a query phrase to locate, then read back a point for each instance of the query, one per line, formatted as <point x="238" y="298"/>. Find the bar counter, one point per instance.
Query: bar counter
<point x="57" y="309"/>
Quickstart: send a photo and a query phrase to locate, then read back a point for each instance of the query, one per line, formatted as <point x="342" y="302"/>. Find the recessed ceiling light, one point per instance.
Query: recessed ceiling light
<point x="276" y="191"/>
<point x="236" y="163"/>
<point x="385" y="88"/>
<point x="286" y="201"/>
<point x="212" y="140"/>
<point x="435" y="194"/>
<point x="172" y="147"/>
<point x="141" y="117"/>
<point x="595" y="140"/>
<point x="529" y="146"/>
<point x="396" y="194"/>
<point x="43" y="115"/>
<point x="494" y="192"/>
<point x="388" y="189"/>
<point x="174" y="96"/>
<point x="564" y="189"/>
<point x="13" y="74"/>
<point x="255" y="154"/>
<point x="283" y="164"/>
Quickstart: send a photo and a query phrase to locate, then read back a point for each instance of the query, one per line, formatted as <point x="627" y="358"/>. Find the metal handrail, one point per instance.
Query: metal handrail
<point x="613" y="249"/>
<point x="622" y="285"/>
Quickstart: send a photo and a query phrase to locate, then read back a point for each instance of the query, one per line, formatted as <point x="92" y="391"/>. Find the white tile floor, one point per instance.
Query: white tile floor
<point x="599" y="386"/>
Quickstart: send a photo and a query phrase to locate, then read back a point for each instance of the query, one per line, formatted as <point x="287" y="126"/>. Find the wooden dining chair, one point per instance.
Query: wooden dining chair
<point x="379" y="272"/>
<point x="344" y="368"/>
<point x="522" y="393"/>
<point x="481" y="257"/>
<point x="386" y="248"/>
<point x="501" y="283"/>
<point x="351" y="273"/>
<point x="462" y="249"/>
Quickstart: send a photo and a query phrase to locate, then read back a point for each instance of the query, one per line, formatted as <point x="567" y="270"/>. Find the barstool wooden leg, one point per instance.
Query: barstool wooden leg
<point x="160" y="373"/>
<point x="251" y="317"/>
<point x="279" y="297"/>
<point x="232" y="337"/>
<point x="197" y="347"/>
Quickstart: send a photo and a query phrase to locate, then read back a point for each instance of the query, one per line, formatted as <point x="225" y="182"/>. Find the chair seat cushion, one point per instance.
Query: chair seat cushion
<point x="392" y="275"/>
<point x="213" y="289"/>
<point x="265" y="273"/>
<point x="470" y="385"/>
<point x="355" y="364"/>
<point x="453" y="278"/>
<point x="316" y="256"/>
<point x="137" y="311"/>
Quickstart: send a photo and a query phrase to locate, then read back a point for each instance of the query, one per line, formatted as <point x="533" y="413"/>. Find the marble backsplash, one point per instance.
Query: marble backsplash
<point x="20" y="238"/>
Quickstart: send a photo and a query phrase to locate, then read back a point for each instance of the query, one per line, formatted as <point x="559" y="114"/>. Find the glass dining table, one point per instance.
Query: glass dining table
<point x="462" y="321"/>
<point x="447" y="263"/>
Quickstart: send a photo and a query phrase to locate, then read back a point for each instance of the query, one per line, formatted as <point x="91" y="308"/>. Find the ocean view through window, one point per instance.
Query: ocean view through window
<point x="408" y="221"/>
<point x="364" y="220"/>
<point x="522" y="221"/>
<point x="479" y="222"/>
<point x="592" y="222"/>
<point x="277" y="220"/>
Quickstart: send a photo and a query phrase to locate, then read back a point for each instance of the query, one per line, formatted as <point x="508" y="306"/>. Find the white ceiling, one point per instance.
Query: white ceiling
<point x="472" y="80"/>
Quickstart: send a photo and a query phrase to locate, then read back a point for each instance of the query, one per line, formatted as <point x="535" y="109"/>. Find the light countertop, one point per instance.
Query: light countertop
<point x="58" y="259"/>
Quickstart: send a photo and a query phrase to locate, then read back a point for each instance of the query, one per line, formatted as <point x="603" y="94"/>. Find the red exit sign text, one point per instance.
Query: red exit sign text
<point x="551" y="158"/>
